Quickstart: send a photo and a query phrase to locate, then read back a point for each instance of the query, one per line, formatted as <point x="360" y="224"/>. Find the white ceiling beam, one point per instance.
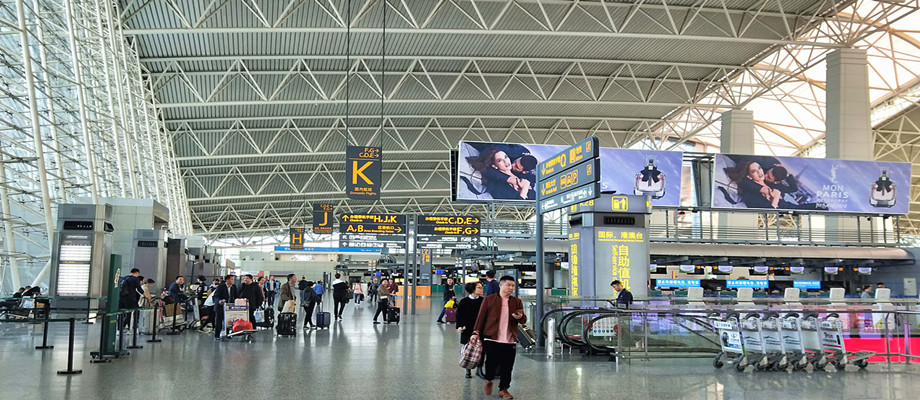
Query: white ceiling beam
<point x="485" y="102"/>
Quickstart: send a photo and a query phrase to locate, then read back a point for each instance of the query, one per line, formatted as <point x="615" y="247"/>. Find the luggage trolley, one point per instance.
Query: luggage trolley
<point x="755" y="352"/>
<point x="811" y="341"/>
<point x="729" y="339"/>
<point x="233" y="313"/>
<point x="792" y="342"/>
<point x="772" y="331"/>
<point x="831" y="331"/>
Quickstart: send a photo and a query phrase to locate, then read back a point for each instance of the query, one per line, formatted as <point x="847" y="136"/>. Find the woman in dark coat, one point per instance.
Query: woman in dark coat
<point x="467" y="312"/>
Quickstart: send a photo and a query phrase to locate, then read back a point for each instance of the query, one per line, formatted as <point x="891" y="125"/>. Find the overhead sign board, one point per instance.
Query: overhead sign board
<point x="330" y="249"/>
<point x="581" y="151"/>
<point x="387" y="219"/>
<point x="297" y="238"/>
<point x="579" y="175"/>
<point x="445" y="242"/>
<point x="568" y="198"/>
<point x="366" y="227"/>
<point x="363" y="170"/>
<point x="358" y="237"/>
<point x="323" y="218"/>
<point x="625" y="204"/>
<point x="448" y="220"/>
<point x="449" y="230"/>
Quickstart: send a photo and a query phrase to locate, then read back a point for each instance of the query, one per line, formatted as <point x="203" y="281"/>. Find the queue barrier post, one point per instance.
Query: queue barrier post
<point x="70" y="370"/>
<point x="99" y="356"/>
<point x="156" y="325"/>
<point x="45" y="334"/>
<point x="137" y="315"/>
<point x="121" y="335"/>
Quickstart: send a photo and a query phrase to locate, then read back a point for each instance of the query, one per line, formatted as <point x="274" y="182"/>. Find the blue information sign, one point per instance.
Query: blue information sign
<point x="807" y="284"/>
<point x="677" y="282"/>
<point x="439" y="272"/>
<point x="747" y="283"/>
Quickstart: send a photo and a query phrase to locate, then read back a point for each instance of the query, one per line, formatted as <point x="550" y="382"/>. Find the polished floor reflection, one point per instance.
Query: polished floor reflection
<point x="416" y="359"/>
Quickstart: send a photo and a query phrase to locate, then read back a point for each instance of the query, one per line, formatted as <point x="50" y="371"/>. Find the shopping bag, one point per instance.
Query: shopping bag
<point x="449" y="304"/>
<point x="290" y="307"/>
<point x="259" y="316"/>
<point x="241" y="325"/>
<point x="471" y="354"/>
<point x="210" y="300"/>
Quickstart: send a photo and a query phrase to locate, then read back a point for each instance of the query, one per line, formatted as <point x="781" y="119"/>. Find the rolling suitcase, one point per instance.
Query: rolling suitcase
<point x="287" y="324"/>
<point x="392" y="315"/>
<point x="526" y="337"/>
<point x="450" y="314"/>
<point x="323" y="319"/>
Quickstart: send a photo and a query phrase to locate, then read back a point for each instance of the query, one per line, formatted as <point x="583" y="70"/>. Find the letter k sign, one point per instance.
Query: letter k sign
<point x="360" y="172"/>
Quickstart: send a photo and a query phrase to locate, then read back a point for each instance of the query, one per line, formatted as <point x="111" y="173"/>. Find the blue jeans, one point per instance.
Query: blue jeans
<point x="443" y="310"/>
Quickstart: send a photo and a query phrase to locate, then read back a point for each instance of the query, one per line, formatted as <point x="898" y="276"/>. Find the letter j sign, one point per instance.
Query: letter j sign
<point x="363" y="166"/>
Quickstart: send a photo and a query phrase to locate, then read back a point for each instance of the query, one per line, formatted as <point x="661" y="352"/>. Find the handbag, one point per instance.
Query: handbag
<point x="290" y="306"/>
<point x="471" y="354"/>
<point x="449" y="304"/>
<point x="259" y="315"/>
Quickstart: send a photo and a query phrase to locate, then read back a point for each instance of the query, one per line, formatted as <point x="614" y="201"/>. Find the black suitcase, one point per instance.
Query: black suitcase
<point x="323" y="319"/>
<point x="526" y="337"/>
<point x="392" y="315"/>
<point x="287" y="324"/>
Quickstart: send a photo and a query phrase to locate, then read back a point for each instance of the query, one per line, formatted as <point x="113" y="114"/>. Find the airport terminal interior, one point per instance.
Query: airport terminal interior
<point x="462" y="199"/>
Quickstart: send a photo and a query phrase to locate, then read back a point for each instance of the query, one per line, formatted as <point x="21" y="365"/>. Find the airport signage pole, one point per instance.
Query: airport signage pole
<point x="568" y="171"/>
<point x="416" y="271"/>
<point x="406" y="270"/>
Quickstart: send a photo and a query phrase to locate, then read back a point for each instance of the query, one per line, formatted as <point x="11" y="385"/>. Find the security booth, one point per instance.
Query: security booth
<point x="81" y="255"/>
<point x="608" y="240"/>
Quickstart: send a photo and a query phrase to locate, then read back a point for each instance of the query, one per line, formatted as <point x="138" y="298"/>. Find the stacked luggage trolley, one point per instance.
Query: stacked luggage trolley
<point x="771" y="342"/>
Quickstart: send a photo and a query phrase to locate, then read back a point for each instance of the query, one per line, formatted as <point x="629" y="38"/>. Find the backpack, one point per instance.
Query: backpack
<point x="124" y="290"/>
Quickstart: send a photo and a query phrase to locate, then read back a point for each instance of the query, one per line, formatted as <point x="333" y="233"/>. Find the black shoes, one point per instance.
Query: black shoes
<point x="440" y="322"/>
<point x="376" y="323"/>
<point x="468" y="374"/>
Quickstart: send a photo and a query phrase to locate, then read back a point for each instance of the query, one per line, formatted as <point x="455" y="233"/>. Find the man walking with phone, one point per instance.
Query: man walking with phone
<point x="496" y="325"/>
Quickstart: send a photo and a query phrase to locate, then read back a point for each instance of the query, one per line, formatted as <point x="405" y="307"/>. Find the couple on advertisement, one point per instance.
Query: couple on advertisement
<point x="763" y="182"/>
<point x="507" y="170"/>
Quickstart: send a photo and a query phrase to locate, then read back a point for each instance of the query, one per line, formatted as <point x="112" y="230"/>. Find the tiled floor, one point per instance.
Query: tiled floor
<point x="414" y="360"/>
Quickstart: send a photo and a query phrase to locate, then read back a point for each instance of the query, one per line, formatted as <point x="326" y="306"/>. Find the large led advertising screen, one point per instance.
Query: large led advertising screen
<point x="816" y="184"/>
<point x="506" y="172"/>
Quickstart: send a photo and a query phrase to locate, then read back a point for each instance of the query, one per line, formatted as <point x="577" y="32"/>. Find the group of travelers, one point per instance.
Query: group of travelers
<point x="868" y="290"/>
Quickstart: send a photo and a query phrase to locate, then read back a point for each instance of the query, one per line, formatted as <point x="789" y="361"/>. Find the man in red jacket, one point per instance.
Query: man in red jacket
<point x="497" y="325"/>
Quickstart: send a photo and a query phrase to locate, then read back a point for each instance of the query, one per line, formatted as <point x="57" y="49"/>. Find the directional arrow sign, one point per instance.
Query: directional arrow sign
<point x="578" y="195"/>
<point x="448" y="230"/>
<point x="371" y="228"/>
<point x="580" y="175"/>
<point x="386" y="219"/>
<point x="448" y="220"/>
<point x="581" y="151"/>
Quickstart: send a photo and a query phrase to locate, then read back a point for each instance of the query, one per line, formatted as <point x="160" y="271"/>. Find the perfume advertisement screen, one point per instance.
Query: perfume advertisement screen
<point x="506" y="172"/>
<point x="810" y="184"/>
